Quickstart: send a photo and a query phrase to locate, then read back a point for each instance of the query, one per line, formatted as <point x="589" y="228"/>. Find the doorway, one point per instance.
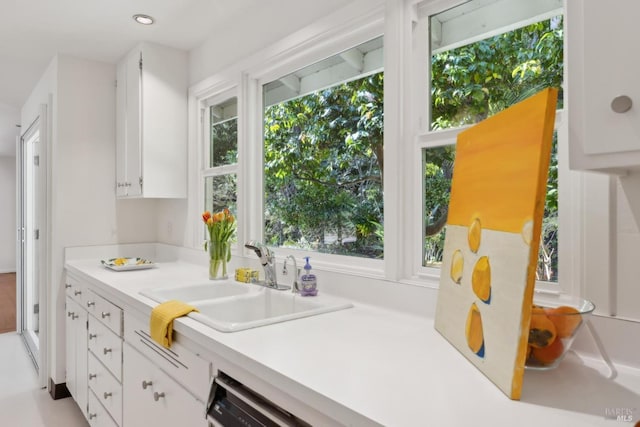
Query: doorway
<point x="31" y="271"/>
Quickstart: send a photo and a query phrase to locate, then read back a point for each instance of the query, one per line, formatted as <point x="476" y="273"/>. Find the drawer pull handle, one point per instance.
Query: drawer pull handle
<point x="106" y="350"/>
<point x="67" y="285"/>
<point x="91" y="303"/>
<point x="92" y="336"/>
<point x="92" y="416"/>
<point x="105" y="315"/>
<point x="146" y="384"/>
<point x="157" y="396"/>
<point x="72" y="315"/>
<point x="69" y="313"/>
<point x="107" y="395"/>
<point x="92" y="376"/>
<point x="76" y="293"/>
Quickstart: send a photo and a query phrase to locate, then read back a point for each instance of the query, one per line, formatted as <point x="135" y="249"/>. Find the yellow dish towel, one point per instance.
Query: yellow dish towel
<point x="161" y="322"/>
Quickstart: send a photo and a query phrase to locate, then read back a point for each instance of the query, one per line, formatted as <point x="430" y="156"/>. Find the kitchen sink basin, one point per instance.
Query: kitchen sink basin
<point x="231" y="306"/>
<point x="262" y="308"/>
<point x="198" y="292"/>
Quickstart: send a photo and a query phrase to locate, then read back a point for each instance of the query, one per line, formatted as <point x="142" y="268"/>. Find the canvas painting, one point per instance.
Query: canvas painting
<point x="493" y="229"/>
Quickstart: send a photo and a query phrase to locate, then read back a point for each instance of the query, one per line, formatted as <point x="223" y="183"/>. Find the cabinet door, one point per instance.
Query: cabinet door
<point x="602" y="68"/>
<point x="152" y="398"/>
<point x="121" y="129"/>
<point x="133" y="130"/>
<point x="76" y="348"/>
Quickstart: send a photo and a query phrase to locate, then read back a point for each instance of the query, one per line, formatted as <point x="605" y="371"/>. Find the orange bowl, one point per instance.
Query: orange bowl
<point x="555" y="322"/>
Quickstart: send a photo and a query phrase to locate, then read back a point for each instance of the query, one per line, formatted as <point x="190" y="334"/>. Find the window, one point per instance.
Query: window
<point x="484" y="57"/>
<point x="220" y="156"/>
<point x="323" y="157"/>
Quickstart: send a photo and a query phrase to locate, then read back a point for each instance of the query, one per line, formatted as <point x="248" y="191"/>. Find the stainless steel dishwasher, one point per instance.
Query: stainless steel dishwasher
<point x="233" y="404"/>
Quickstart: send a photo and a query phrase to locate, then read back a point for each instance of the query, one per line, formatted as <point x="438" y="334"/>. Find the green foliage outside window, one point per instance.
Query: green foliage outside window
<point x="473" y="82"/>
<point x="323" y="170"/>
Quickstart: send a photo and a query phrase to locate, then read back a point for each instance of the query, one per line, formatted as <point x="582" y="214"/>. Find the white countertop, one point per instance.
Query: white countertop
<point x="368" y="365"/>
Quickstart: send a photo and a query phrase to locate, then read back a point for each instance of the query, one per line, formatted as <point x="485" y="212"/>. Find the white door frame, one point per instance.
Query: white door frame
<point x="42" y="123"/>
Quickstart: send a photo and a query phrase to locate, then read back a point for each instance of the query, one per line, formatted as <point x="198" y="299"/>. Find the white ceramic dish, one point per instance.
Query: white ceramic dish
<point x="126" y="264"/>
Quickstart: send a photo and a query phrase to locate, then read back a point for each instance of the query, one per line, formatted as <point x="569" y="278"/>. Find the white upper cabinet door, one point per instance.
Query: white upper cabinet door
<point x="603" y="84"/>
<point x="151" y="123"/>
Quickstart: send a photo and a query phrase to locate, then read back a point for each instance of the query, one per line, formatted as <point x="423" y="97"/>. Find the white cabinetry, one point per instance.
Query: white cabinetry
<point x="602" y="70"/>
<point x="151" y="123"/>
<point x="153" y="398"/>
<point x="104" y="360"/>
<point x="162" y="387"/>
<point x="76" y="345"/>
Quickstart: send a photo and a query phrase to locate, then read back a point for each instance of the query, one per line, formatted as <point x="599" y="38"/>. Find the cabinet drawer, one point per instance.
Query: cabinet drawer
<point x="151" y="397"/>
<point x="105" y="311"/>
<point x="106" y="346"/>
<point x="186" y="367"/>
<point x="97" y="414"/>
<point x="75" y="289"/>
<point x="107" y="389"/>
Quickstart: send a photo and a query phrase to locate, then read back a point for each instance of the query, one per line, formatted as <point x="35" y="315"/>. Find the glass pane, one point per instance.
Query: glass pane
<point x="475" y="76"/>
<point x="221" y="192"/>
<point x="438" y="170"/>
<point x="223" y="149"/>
<point x="323" y="155"/>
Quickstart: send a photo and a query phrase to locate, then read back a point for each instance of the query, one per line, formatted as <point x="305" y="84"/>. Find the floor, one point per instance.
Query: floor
<point x="7" y="302"/>
<point x="22" y="402"/>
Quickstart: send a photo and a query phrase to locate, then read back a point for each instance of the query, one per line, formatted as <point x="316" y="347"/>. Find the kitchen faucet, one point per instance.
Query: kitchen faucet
<point x="267" y="259"/>
<point x="295" y="288"/>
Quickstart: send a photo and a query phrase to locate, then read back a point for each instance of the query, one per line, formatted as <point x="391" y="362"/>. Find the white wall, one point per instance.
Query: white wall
<point x="83" y="207"/>
<point x="7" y="214"/>
<point x="267" y="23"/>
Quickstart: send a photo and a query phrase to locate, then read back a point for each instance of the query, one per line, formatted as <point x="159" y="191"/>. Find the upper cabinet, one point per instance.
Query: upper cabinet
<point x="603" y="86"/>
<point x="151" y="123"/>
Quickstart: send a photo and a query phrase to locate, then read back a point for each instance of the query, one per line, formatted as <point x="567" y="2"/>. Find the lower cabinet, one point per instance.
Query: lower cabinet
<point x="151" y="397"/>
<point x="76" y="349"/>
<point x="97" y="414"/>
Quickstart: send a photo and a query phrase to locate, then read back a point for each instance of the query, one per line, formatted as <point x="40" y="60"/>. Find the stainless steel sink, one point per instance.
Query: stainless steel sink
<point x="231" y="306"/>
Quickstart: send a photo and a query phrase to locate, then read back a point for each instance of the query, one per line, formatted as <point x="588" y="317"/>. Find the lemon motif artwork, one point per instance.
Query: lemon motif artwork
<point x="491" y="242"/>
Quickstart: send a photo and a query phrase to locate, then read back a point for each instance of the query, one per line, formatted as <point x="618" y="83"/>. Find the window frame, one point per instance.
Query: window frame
<point x="247" y="79"/>
<point x="404" y="137"/>
<point x="570" y="183"/>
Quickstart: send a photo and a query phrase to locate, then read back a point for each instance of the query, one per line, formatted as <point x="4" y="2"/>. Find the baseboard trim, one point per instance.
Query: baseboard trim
<point x="58" y="391"/>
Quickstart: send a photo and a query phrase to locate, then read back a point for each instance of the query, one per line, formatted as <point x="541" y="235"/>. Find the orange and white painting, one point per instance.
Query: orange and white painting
<point x="493" y="232"/>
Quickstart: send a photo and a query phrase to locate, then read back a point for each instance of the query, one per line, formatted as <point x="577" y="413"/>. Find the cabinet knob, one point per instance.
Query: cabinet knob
<point x="74" y="316"/>
<point x="106" y="350"/>
<point x="105" y="315"/>
<point x="621" y="104"/>
<point x="107" y="395"/>
<point x="92" y="376"/>
<point x="146" y="384"/>
<point x="157" y="396"/>
<point x="76" y="293"/>
<point x="91" y="303"/>
<point x="67" y="286"/>
<point x="69" y="313"/>
<point x="92" y="416"/>
<point x="92" y="336"/>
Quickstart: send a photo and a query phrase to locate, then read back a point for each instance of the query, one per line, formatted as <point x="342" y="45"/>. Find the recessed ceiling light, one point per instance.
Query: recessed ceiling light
<point x="143" y="19"/>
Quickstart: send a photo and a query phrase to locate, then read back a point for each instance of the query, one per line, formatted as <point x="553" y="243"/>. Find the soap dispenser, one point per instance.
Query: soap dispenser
<point x="308" y="282"/>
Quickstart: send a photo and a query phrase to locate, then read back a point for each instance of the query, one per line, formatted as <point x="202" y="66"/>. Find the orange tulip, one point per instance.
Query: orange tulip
<point x="206" y="215"/>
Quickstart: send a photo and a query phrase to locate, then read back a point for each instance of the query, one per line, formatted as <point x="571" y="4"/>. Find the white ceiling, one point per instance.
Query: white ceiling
<point x="32" y="32"/>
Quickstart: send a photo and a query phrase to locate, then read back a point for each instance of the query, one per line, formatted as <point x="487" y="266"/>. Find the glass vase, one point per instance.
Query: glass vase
<point x="219" y="255"/>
